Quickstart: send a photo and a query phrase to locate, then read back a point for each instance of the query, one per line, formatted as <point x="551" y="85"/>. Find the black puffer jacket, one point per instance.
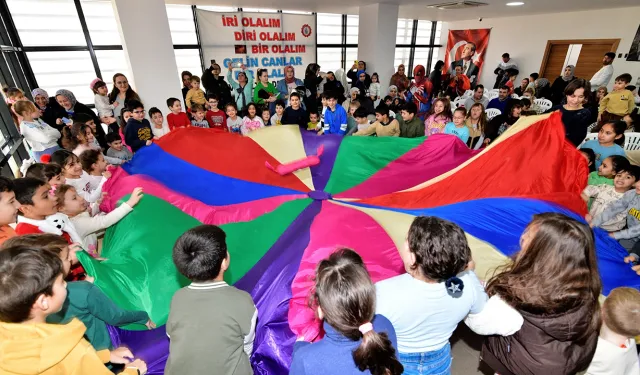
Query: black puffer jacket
<point x="545" y="345"/>
<point x="216" y="86"/>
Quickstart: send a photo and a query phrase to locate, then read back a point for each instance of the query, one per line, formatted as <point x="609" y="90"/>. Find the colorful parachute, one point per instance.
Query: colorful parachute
<point x="364" y="194"/>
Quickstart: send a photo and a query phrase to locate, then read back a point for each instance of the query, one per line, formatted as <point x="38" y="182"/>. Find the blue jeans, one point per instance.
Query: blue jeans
<point x="437" y="362"/>
<point x="49" y="151"/>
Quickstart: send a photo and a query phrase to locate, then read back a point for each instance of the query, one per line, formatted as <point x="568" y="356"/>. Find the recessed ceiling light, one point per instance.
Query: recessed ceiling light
<point x="515" y="4"/>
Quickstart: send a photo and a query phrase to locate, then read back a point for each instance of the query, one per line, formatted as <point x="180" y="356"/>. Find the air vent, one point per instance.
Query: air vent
<point x="457" y="5"/>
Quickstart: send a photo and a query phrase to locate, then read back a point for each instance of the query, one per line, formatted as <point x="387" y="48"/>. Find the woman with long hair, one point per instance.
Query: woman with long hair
<point x="312" y="78"/>
<point x="575" y="116"/>
<point x="554" y="283"/>
<point x="122" y="93"/>
<point x="356" y="341"/>
<point x="436" y="78"/>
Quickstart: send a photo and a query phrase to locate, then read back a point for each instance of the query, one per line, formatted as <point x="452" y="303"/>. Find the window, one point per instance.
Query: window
<point x="329" y="28"/>
<point x="71" y="70"/>
<point x="416" y="44"/>
<point x="330" y="59"/>
<point x="402" y="57"/>
<point x="405" y="28"/>
<point x="352" y="29"/>
<point x="112" y="62"/>
<point x="189" y="59"/>
<point x="47" y="22"/>
<point x="59" y="54"/>
<point x="183" y="29"/>
<point x="423" y="33"/>
<point x="101" y="22"/>
<point x="351" y="56"/>
<point x="337" y="45"/>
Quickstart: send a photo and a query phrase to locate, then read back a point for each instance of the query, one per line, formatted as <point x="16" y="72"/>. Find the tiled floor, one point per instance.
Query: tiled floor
<point x="465" y="347"/>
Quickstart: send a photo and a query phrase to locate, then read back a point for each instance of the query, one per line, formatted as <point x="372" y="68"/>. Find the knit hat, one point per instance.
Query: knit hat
<point x="69" y="95"/>
<point x="38" y="91"/>
<point x="93" y="83"/>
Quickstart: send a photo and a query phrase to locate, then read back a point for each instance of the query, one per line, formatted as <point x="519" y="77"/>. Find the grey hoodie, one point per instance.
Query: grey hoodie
<point x="629" y="202"/>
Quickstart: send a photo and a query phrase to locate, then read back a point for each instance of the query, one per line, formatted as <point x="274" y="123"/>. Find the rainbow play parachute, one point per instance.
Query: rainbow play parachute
<point x="364" y="194"/>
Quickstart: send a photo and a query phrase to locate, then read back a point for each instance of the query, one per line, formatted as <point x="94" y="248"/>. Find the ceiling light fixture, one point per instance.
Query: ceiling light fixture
<point x="515" y="4"/>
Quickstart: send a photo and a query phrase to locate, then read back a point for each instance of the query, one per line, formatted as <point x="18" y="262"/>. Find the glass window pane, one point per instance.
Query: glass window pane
<point x="434" y="59"/>
<point x="47" y="22"/>
<point x="401" y="57"/>
<point x="352" y="29"/>
<point x="188" y="59"/>
<point x="329" y="28"/>
<point x="112" y="62"/>
<point x="64" y="70"/>
<point x="403" y="36"/>
<point x="423" y="36"/>
<point x="329" y="59"/>
<point x="183" y="29"/>
<point x="420" y="57"/>
<point x="352" y="55"/>
<point x="101" y="22"/>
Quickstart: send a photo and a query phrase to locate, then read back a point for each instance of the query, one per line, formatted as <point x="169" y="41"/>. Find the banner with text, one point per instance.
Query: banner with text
<point x="259" y="40"/>
<point x="457" y="51"/>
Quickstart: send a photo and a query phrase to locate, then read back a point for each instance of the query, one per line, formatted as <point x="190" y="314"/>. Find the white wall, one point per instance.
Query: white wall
<point x="525" y="38"/>
<point x="376" y="38"/>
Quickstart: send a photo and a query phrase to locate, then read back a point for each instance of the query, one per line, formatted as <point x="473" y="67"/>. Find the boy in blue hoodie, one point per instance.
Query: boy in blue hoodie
<point x="335" y="118"/>
<point x="137" y="133"/>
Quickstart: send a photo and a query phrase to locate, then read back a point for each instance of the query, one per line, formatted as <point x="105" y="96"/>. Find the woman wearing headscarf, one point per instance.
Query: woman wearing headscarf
<point x="436" y="77"/>
<point x="72" y="107"/>
<point x="560" y="83"/>
<point x="51" y="111"/>
<point x="543" y="88"/>
<point x="289" y="84"/>
<point x="352" y="74"/>
<point x="363" y="88"/>
<point x="399" y="79"/>
<point x="420" y="91"/>
<point x="122" y="93"/>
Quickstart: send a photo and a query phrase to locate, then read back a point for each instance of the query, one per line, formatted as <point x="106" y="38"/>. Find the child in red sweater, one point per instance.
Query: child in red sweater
<point x="176" y="119"/>
<point x="215" y="117"/>
<point x="37" y="202"/>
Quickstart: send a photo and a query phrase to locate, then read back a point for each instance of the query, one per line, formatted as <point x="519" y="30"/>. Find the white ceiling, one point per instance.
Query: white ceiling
<point x="418" y="8"/>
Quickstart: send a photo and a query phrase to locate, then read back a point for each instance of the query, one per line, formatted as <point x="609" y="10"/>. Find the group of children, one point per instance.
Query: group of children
<point x="545" y="301"/>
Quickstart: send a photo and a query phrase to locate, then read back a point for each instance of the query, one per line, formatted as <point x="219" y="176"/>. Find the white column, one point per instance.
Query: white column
<point x="146" y="39"/>
<point x="377" y="30"/>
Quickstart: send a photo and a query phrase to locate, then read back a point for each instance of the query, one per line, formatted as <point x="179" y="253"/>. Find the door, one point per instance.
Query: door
<point x="585" y="54"/>
<point x="555" y="61"/>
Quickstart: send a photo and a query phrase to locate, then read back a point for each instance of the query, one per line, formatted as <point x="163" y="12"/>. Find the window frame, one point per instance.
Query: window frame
<point x="88" y="47"/>
<point x="413" y="45"/>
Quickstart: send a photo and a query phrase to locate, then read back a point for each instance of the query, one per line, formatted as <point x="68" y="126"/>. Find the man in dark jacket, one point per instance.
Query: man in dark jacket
<point x="410" y="125"/>
<point x="214" y="83"/>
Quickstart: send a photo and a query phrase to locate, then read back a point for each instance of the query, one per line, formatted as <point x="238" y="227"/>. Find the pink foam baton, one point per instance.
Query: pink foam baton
<point x="309" y="161"/>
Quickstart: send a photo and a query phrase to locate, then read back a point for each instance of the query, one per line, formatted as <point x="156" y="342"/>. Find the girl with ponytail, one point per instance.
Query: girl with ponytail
<point x="356" y="341"/>
<point x="438" y="291"/>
